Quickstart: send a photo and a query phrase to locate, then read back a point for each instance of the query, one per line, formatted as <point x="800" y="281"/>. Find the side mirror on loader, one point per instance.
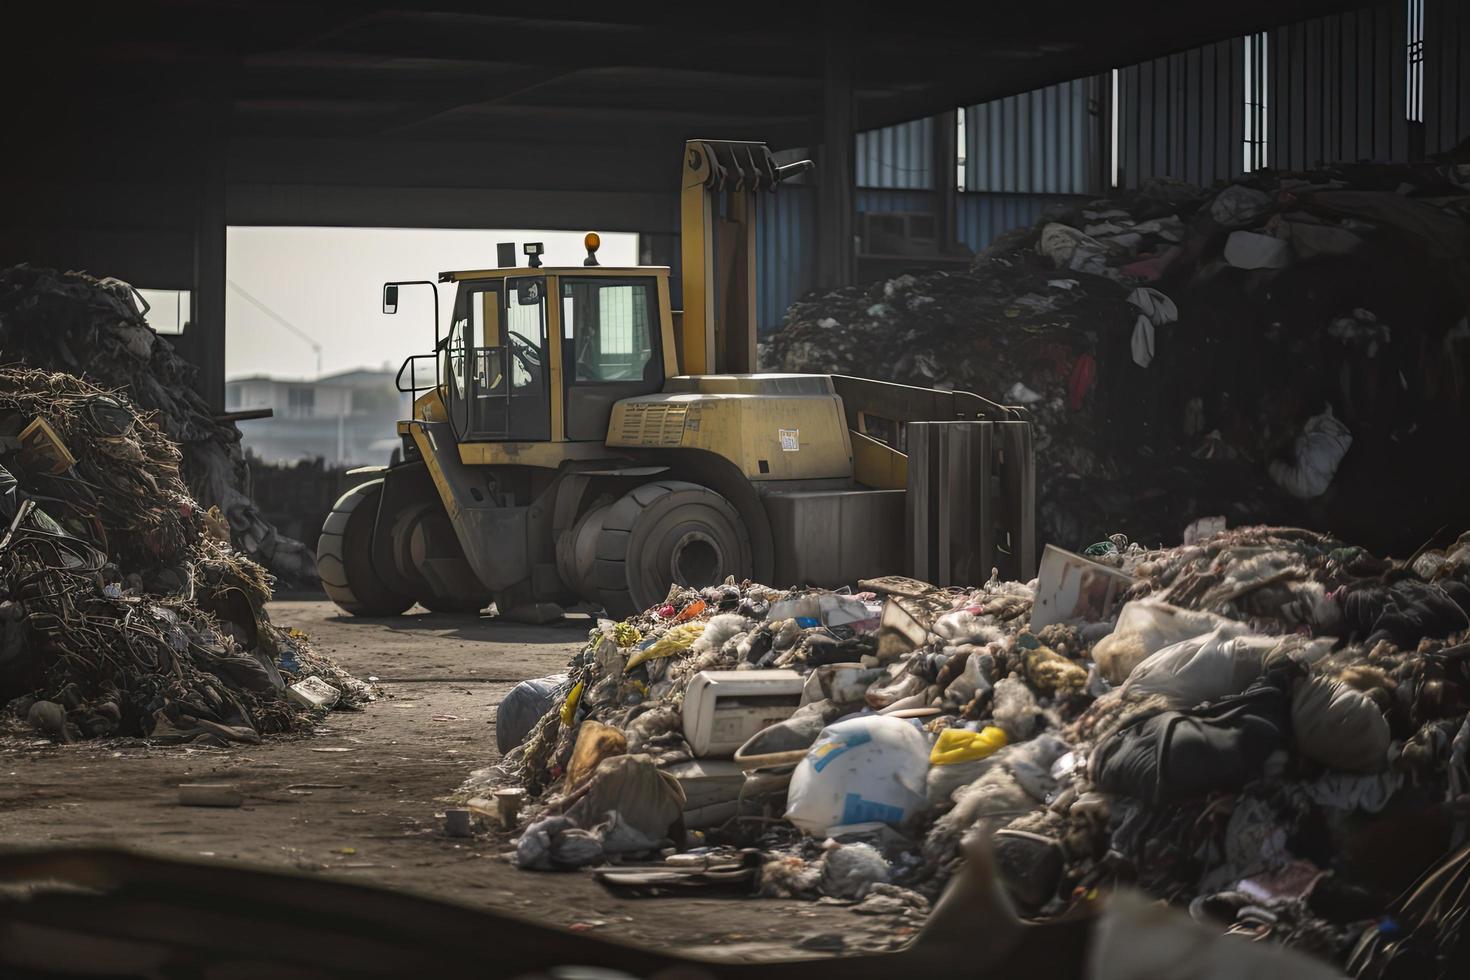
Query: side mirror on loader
<point x="390" y="298"/>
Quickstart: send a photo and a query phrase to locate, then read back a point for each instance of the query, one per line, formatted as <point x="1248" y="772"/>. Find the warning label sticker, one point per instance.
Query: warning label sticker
<point x="790" y="440"/>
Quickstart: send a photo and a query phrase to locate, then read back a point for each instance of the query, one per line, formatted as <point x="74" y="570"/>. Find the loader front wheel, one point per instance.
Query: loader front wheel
<point x="667" y="533"/>
<point x="344" y="556"/>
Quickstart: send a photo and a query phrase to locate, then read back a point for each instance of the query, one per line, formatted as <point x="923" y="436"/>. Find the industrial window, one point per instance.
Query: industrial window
<point x="1115" y="113"/>
<point x="611" y="327"/>
<point x="168" y="309"/>
<point x="1414" y="90"/>
<point x="1256" y="99"/>
<point x="959" y="142"/>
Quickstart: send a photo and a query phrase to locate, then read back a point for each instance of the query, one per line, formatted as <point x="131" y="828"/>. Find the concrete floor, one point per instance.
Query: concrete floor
<point x="362" y="797"/>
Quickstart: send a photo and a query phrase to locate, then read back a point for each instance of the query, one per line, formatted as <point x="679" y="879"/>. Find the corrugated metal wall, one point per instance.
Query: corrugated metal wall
<point x="873" y="199"/>
<point x="785" y="251"/>
<point x="1446" y="74"/>
<point x="1182" y="116"/>
<point x="1338" y="89"/>
<point x="897" y="157"/>
<point x="1041" y="142"/>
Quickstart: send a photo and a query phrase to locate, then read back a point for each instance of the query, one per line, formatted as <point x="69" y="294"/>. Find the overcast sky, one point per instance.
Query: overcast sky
<point x="327" y="283"/>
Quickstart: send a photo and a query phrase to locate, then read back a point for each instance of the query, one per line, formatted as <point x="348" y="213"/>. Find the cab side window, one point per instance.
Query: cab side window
<point x="611" y="324"/>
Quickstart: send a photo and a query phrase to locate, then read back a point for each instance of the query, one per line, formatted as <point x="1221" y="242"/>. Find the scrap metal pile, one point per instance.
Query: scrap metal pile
<point x="95" y="329"/>
<point x="1268" y="728"/>
<point x="125" y="610"/>
<point x="1264" y="350"/>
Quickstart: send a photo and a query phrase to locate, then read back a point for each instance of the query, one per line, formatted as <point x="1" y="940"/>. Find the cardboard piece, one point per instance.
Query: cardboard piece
<point x="1070" y="587"/>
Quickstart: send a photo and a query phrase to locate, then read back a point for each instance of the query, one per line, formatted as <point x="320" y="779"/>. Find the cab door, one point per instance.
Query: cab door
<point x="499" y="390"/>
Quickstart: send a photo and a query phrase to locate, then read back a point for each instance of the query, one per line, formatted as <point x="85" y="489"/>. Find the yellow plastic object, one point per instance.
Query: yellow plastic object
<point x="595" y="742"/>
<point x="626" y="634"/>
<point x="569" y="709"/>
<point x="676" y="640"/>
<point x="959" y="745"/>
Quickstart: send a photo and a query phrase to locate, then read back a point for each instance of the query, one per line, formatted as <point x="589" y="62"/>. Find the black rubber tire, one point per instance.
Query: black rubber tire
<point x="414" y="530"/>
<point x="344" y="556"/>
<point x="664" y="533"/>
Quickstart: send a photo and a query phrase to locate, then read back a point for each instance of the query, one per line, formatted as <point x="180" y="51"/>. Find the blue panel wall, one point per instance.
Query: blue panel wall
<point x="899" y="157"/>
<point x="1041" y="142"/>
<point x="886" y="201"/>
<point x="785" y="252"/>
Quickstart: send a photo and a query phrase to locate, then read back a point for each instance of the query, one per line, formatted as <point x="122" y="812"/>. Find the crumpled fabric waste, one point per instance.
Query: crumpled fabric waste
<point x="1348" y="290"/>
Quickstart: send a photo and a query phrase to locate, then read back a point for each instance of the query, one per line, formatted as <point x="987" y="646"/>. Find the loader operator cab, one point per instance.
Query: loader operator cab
<point x="541" y="354"/>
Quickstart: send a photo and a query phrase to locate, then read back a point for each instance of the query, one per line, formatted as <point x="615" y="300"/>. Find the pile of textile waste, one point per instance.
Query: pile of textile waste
<point x="95" y="329"/>
<point x="125" y="610"/>
<point x="1263" y="350"/>
<point x="1268" y="728"/>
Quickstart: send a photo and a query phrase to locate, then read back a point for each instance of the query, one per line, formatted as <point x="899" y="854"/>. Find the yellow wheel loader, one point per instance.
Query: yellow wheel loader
<point x="577" y="441"/>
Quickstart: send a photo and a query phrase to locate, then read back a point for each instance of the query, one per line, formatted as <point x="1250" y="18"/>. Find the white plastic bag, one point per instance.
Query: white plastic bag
<point x="1323" y="442"/>
<point x="863" y="769"/>
<point x="1238" y="205"/>
<point x="1146" y="626"/>
<point x="1202" y="668"/>
<point x="1252" y="250"/>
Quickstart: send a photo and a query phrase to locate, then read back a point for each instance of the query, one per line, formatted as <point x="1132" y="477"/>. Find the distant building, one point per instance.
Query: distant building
<point x="346" y="419"/>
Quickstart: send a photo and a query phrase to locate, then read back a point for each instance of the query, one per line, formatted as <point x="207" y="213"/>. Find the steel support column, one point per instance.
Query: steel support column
<point x="837" y="197"/>
<point x="946" y="176"/>
<point x="206" y="340"/>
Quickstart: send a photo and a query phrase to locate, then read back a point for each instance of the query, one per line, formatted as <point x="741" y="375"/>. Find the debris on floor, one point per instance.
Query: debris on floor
<point x="126" y="612"/>
<point x="210" y="794"/>
<point x="72" y="323"/>
<point x="1271" y="733"/>
<point x="1263" y="351"/>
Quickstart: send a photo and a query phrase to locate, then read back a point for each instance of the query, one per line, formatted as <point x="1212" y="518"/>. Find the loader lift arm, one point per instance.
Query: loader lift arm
<point x="717" y="208"/>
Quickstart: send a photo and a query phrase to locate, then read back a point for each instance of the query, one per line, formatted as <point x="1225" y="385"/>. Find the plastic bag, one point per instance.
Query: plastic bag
<point x="1202" y="668"/>
<point x="958" y="745"/>
<point x="1318" y="451"/>
<point x="1252" y="250"/>
<point x="1339" y="726"/>
<point x="646" y="798"/>
<point x="678" y="639"/>
<point x="863" y="769"/>
<point x="1237" y="205"/>
<point x="519" y="710"/>
<point x="1146" y="626"/>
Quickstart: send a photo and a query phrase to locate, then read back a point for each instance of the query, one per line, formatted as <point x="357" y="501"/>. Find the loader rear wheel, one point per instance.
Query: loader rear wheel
<point x="344" y="557"/>
<point x="667" y="533"/>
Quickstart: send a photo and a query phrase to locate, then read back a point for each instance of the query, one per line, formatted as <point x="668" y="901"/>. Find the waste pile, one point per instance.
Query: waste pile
<point x="125" y="610"/>
<point x="1267" y="727"/>
<point x="95" y="328"/>
<point x="1264" y="350"/>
